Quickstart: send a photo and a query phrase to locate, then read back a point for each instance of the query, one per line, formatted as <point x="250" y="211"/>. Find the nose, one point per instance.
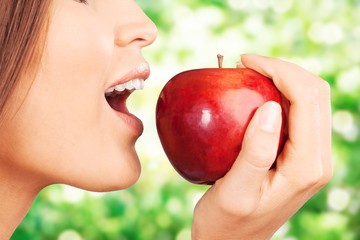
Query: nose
<point x="134" y="27"/>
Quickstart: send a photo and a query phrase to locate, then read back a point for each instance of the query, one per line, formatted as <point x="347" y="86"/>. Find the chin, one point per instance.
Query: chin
<point x="109" y="184"/>
<point x="122" y="179"/>
<point x="111" y="175"/>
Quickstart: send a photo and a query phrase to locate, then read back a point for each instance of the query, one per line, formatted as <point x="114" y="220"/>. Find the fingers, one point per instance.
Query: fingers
<point x="308" y="149"/>
<point x="258" y="153"/>
<point x="326" y="128"/>
<point x="293" y="81"/>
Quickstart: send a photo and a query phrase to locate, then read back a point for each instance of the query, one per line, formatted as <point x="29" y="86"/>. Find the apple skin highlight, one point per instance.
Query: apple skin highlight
<point x="202" y="115"/>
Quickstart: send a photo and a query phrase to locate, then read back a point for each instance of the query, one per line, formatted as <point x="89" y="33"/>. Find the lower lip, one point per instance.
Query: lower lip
<point x="131" y="120"/>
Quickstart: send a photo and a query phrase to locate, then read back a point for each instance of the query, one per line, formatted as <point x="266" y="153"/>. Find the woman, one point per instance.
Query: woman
<point x="64" y="66"/>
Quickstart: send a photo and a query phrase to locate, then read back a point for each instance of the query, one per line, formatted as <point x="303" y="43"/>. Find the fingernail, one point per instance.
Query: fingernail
<point x="269" y="117"/>
<point x="240" y="65"/>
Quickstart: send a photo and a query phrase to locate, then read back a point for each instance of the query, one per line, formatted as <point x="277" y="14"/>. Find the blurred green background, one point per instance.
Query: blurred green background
<point x="322" y="36"/>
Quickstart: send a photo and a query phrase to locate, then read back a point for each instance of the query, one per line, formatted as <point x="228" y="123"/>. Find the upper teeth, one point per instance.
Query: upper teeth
<point x="134" y="84"/>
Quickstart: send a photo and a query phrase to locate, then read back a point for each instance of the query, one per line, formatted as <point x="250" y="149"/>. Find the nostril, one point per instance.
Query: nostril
<point x="143" y="37"/>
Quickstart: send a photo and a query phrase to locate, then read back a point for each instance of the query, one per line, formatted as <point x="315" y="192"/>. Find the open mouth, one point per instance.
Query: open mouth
<point x="116" y="96"/>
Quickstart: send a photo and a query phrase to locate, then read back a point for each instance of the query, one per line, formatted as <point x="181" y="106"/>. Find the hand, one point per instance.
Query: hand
<point x="251" y="201"/>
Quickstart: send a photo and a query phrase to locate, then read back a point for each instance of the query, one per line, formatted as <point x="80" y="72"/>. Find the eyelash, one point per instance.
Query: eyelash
<point x="82" y="1"/>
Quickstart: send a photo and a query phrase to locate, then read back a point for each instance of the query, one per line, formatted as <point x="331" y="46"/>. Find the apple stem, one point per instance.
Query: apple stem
<point x="220" y="60"/>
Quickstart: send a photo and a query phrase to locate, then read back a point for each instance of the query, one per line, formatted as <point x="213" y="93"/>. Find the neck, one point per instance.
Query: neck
<point x="17" y="197"/>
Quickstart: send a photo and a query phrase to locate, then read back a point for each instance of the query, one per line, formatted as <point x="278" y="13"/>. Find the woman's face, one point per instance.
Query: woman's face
<point x="66" y="130"/>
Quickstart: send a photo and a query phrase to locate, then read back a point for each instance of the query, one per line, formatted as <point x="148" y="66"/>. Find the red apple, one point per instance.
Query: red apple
<point x="202" y="115"/>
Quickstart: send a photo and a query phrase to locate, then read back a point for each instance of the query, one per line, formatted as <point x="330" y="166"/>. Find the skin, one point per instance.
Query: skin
<point x="60" y="129"/>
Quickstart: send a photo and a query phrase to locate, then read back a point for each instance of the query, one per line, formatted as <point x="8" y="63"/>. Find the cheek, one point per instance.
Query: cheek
<point x="67" y="97"/>
<point x="75" y="65"/>
<point x="79" y="49"/>
<point x="67" y="91"/>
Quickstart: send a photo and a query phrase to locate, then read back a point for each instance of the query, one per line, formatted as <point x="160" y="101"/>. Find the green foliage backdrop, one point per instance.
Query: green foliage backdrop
<point x="322" y="36"/>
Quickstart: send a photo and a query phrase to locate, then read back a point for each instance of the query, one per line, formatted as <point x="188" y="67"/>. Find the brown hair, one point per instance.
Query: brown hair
<point x="23" y="26"/>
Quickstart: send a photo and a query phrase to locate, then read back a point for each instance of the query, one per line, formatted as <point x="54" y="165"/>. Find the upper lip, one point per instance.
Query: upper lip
<point x="140" y="71"/>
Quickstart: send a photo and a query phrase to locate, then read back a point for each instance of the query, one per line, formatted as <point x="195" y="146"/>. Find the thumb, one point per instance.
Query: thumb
<point x="258" y="153"/>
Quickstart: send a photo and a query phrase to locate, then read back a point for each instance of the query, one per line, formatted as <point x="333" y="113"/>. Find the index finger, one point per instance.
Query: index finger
<point x="292" y="80"/>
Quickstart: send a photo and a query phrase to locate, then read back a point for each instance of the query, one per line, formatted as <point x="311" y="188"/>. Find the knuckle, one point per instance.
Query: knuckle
<point x="324" y="87"/>
<point x="313" y="88"/>
<point x="315" y="178"/>
<point x="235" y="207"/>
<point x="318" y="90"/>
<point x="260" y="157"/>
<point x="326" y="177"/>
<point x="303" y="184"/>
<point x="311" y="95"/>
<point x="259" y="152"/>
<point x="242" y="208"/>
